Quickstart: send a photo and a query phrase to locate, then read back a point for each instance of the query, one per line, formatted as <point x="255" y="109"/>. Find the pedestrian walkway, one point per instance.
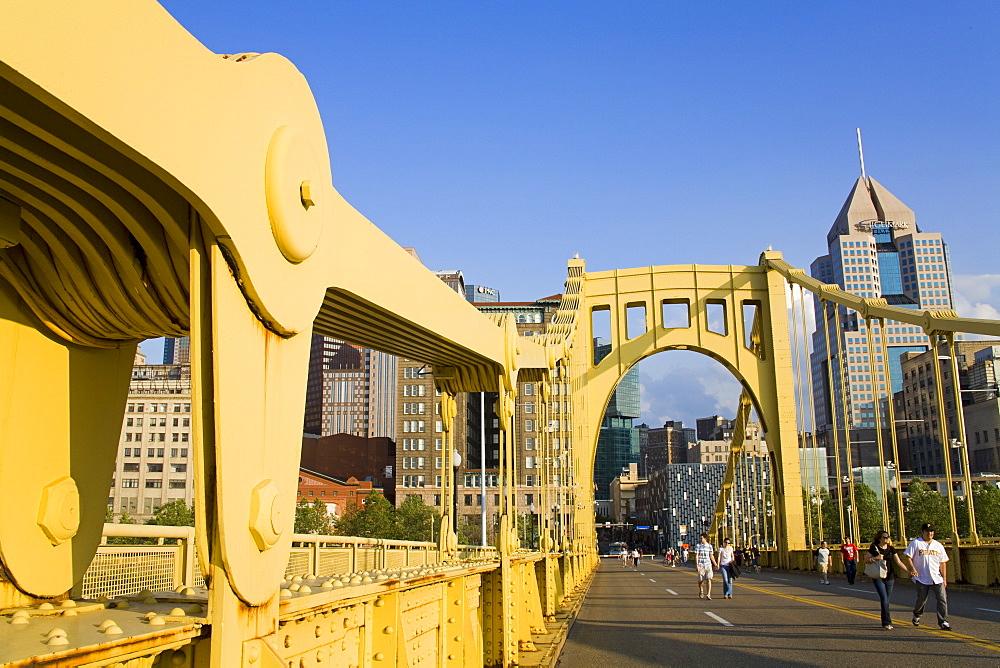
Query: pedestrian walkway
<point x="653" y="617"/>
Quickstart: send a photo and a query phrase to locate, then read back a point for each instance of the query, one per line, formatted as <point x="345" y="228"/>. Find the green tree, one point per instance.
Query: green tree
<point x="173" y="514"/>
<point x="377" y="519"/>
<point x="415" y="520"/>
<point x="869" y="511"/>
<point x="926" y="505"/>
<point x="987" y="502"/>
<point x="831" y="521"/>
<point x="312" y="517"/>
<point x="470" y="532"/>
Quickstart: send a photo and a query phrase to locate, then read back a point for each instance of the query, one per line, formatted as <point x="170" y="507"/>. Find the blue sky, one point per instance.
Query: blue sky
<point x="502" y="138"/>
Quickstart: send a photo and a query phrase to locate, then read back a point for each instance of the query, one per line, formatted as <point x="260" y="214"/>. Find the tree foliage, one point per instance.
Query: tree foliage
<point x="173" y="514"/>
<point x="926" y="505"/>
<point x="869" y="512"/>
<point x="415" y="520"/>
<point x="987" y="503"/>
<point x="312" y="517"/>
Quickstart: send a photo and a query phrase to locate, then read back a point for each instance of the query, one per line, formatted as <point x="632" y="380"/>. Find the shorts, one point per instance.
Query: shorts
<point x="823" y="568"/>
<point x="705" y="572"/>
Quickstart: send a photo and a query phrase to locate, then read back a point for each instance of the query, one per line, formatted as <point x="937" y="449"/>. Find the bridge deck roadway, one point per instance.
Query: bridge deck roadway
<point x="652" y="616"/>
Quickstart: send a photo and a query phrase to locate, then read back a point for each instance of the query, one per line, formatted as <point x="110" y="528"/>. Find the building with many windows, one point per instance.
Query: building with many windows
<point x="350" y="390"/>
<point x="924" y="438"/>
<point x="618" y="440"/>
<point x="419" y="433"/>
<point x="154" y="464"/>
<point x="875" y="249"/>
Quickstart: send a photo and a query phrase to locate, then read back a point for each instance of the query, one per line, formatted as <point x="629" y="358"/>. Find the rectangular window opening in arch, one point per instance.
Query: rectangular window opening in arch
<point x="715" y="314"/>
<point x="635" y="319"/>
<point x="600" y="328"/>
<point x="676" y="313"/>
<point x="753" y="334"/>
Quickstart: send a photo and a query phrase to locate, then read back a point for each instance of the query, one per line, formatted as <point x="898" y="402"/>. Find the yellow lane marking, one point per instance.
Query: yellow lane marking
<point x="972" y="640"/>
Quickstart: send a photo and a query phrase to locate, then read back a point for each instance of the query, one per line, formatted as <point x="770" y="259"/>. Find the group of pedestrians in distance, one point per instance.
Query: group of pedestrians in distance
<point x="630" y="557"/>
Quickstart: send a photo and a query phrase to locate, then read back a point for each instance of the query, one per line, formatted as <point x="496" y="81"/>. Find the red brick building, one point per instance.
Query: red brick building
<point x="343" y="456"/>
<point x="337" y="494"/>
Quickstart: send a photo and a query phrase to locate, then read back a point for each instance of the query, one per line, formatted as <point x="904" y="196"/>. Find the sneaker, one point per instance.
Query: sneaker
<point x="709" y="598"/>
<point x="945" y="626"/>
<point x="701" y="595"/>
<point x="916" y="620"/>
<point x="888" y="627"/>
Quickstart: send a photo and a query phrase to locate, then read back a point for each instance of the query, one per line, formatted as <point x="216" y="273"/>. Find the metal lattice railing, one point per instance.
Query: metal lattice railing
<point x="122" y="570"/>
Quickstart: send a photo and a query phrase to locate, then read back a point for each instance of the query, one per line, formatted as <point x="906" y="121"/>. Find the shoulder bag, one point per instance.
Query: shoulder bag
<point x="877" y="569"/>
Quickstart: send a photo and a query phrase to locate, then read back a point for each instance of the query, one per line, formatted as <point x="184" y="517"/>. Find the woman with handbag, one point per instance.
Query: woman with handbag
<point x="879" y="560"/>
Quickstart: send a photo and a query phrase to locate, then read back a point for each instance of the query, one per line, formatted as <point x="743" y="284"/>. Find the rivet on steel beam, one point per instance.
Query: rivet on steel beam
<point x="253" y="653"/>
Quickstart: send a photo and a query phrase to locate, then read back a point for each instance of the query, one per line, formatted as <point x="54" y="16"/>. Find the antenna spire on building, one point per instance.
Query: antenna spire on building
<point x="861" y="154"/>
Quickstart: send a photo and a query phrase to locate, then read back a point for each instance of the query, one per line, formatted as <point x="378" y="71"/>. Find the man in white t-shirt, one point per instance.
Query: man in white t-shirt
<point x="927" y="561"/>
<point x="823" y="562"/>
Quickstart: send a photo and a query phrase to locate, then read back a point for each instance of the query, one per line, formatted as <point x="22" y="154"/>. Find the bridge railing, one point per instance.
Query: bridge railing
<point x="167" y="559"/>
<point x="120" y="570"/>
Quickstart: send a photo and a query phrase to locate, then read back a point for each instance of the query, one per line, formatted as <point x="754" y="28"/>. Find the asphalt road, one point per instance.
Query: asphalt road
<point x="652" y="616"/>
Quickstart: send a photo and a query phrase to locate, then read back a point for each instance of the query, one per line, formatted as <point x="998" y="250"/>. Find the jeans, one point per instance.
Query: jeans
<point x="942" y="600"/>
<point x="727" y="580"/>
<point x="884" y="589"/>
<point x="851" y="569"/>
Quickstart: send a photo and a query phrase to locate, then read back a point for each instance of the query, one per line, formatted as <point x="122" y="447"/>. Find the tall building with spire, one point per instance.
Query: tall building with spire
<point x="875" y="250"/>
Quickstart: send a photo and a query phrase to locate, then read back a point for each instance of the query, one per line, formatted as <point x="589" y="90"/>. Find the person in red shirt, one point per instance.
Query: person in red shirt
<point x="849" y="553"/>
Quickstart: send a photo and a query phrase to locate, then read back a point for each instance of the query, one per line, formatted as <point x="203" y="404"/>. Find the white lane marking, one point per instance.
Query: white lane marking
<point x="983" y="609"/>
<point x="863" y="591"/>
<point x="672" y="592"/>
<point x="652" y="580"/>
<point x="642" y="574"/>
<point x="785" y="579"/>
<point x="718" y="619"/>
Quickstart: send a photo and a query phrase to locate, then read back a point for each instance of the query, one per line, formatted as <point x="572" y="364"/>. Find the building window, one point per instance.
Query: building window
<point x="154" y="468"/>
<point x="529" y="444"/>
<point x="178" y="468"/>
<point x="177" y="484"/>
<point x="130" y="482"/>
<point x="529" y="407"/>
<point x="154" y="484"/>
<point x="529" y="425"/>
<point x="130" y="467"/>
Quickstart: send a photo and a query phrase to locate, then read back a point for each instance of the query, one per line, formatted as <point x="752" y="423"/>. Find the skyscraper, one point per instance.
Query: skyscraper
<point x="618" y="441"/>
<point x="875" y="250"/>
<point x="350" y="390"/>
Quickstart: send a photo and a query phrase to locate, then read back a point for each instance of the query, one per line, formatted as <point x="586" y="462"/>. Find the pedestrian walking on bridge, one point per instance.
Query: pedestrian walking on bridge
<point x="823" y="562"/>
<point x="928" y="566"/>
<point x="880" y="558"/>
<point x="704" y="556"/>
<point x="849" y="555"/>
<point x="726" y="557"/>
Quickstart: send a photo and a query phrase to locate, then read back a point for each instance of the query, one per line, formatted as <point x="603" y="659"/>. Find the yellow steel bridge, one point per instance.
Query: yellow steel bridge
<point x="148" y="188"/>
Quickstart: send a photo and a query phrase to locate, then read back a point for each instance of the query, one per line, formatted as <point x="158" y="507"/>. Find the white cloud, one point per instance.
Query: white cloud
<point x="977" y="297"/>
<point x="684" y="386"/>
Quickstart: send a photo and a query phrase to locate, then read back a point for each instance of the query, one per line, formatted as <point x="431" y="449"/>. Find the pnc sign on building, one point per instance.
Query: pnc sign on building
<point x="872" y="225"/>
